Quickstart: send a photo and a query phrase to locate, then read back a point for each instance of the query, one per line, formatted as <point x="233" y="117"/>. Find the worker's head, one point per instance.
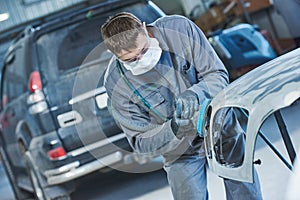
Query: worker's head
<point x="125" y="36"/>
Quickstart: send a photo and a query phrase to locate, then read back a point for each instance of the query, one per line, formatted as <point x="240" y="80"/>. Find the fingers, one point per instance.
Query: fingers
<point x="196" y="105"/>
<point x="179" y="107"/>
<point x="188" y="107"/>
<point x="182" y="122"/>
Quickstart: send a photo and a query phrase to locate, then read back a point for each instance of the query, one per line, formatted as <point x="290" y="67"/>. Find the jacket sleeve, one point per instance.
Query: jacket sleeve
<point x="211" y="74"/>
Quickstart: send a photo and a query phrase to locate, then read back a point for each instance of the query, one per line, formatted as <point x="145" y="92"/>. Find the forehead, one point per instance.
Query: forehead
<point x="141" y="39"/>
<point x="140" y="42"/>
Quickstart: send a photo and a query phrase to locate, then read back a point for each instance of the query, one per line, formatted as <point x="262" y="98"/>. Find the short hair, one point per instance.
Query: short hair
<point x="120" y="31"/>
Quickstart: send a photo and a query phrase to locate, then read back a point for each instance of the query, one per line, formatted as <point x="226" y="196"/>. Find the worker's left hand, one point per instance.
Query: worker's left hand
<point x="186" y="105"/>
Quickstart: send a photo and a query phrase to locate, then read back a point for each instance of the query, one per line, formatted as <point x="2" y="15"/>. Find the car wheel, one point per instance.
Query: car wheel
<point x="18" y="192"/>
<point x="35" y="178"/>
<point x="39" y="183"/>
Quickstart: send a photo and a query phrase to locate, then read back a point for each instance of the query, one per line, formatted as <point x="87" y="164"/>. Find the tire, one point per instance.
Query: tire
<point x="19" y="193"/>
<point x="38" y="190"/>
<point x="40" y="187"/>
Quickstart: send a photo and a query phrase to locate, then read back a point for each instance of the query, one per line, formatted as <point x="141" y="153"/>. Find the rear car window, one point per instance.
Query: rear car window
<point x="65" y="48"/>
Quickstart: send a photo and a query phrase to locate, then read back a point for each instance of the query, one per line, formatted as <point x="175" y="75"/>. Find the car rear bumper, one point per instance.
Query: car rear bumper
<point x="75" y="170"/>
<point x="81" y="161"/>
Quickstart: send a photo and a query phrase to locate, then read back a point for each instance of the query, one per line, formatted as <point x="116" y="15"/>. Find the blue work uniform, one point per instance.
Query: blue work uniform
<point x="187" y="62"/>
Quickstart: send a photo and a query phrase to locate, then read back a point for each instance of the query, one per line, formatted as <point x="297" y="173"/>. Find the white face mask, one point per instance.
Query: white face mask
<point x="148" y="60"/>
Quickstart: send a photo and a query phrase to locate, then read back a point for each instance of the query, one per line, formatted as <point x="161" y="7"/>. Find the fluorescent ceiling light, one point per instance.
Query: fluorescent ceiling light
<point x="4" y="16"/>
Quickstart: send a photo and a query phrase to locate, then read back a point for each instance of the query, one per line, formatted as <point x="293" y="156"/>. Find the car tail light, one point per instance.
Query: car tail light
<point x="57" y="153"/>
<point x="38" y="107"/>
<point x="35" y="82"/>
<point x="36" y="99"/>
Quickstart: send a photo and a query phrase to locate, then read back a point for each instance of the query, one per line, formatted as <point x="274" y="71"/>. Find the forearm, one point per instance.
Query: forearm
<point x="212" y="75"/>
<point x="157" y="141"/>
<point x="210" y="85"/>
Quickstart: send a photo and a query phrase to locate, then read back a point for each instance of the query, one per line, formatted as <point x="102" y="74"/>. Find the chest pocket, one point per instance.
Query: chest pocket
<point x="157" y="103"/>
<point x="163" y="101"/>
<point x="155" y="98"/>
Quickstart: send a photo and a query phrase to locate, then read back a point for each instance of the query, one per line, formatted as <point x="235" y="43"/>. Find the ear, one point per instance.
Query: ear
<point x="145" y="28"/>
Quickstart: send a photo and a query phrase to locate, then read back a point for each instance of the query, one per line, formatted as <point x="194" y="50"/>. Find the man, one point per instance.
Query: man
<point x="156" y="81"/>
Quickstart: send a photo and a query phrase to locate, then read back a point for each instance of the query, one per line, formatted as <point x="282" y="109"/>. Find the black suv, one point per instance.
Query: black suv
<point x="55" y="125"/>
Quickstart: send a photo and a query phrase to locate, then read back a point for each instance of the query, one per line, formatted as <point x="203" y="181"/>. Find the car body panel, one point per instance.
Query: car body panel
<point x="264" y="90"/>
